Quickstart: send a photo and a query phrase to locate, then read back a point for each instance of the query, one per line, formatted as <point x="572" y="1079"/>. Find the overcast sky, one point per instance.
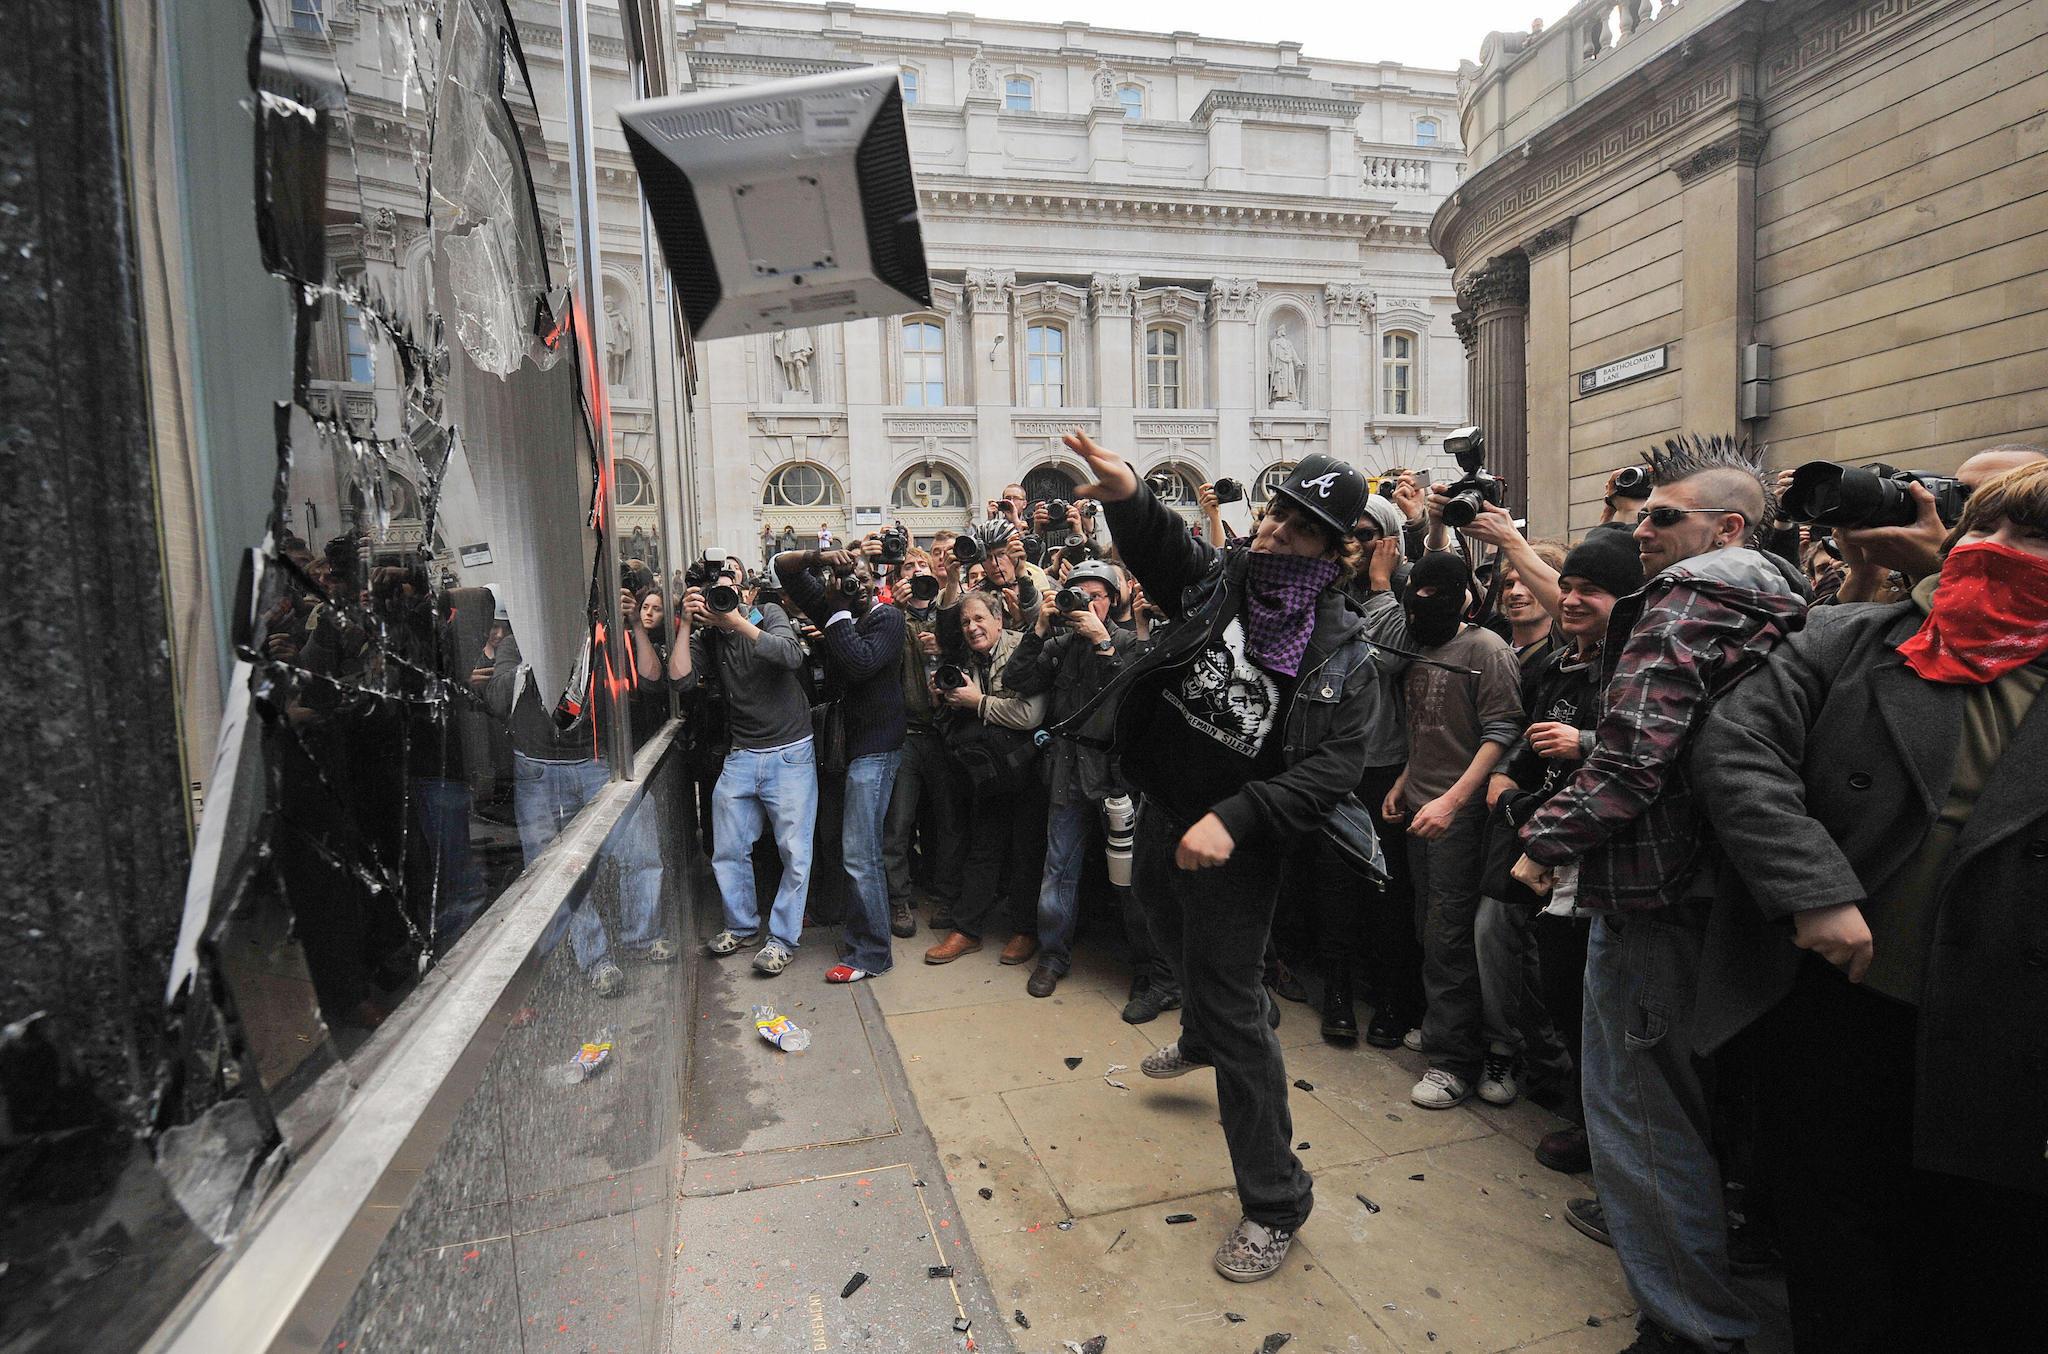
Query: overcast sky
<point x="1434" y="33"/>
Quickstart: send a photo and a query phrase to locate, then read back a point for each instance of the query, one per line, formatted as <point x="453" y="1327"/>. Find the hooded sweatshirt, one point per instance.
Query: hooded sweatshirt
<point x="1627" y="815"/>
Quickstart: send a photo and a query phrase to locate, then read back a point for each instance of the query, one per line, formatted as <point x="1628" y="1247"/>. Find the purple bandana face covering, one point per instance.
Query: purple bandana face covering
<point x="1280" y="607"/>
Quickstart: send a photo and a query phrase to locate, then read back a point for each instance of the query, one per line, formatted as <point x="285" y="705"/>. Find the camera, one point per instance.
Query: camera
<point x="1632" y="482"/>
<point x="702" y="573"/>
<point x="1056" y="510"/>
<point x="967" y="549"/>
<point x="895" y="545"/>
<point x="1471" y="494"/>
<point x="1825" y="494"/>
<point x="924" y="587"/>
<point x="722" y="597"/>
<point x="1228" y="491"/>
<point x="949" y="677"/>
<point x="1068" y="600"/>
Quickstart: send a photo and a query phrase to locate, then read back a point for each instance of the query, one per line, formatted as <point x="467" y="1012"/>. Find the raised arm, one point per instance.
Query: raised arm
<point x="1151" y="538"/>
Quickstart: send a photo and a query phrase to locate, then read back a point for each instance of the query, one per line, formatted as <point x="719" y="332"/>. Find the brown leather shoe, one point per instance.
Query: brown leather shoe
<point x="951" y="948"/>
<point x="1020" y="949"/>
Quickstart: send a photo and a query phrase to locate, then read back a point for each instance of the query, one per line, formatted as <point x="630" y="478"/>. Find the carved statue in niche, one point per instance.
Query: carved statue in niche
<point x="793" y="350"/>
<point x="981" y="75"/>
<point x="618" y="343"/>
<point x="1105" y="81"/>
<point x="1283" y="368"/>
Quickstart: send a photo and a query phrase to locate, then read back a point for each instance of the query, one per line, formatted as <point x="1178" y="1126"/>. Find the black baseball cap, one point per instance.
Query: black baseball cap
<point x="1328" y="490"/>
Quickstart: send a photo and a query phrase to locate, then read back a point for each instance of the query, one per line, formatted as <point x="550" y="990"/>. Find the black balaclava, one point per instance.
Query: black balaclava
<point x="1433" y="620"/>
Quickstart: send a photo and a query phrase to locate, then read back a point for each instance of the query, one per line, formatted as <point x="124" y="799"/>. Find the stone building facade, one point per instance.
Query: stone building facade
<point x="1811" y="221"/>
<point x="1211" y="255"/>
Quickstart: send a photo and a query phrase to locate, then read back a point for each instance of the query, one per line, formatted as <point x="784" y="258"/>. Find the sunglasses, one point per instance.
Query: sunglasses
<point x="1664" y="518"/>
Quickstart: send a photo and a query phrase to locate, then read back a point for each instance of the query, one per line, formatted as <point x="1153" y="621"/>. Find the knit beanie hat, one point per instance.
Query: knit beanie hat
<point x="1608" y="559"/>
<point x="1385" y="515"/>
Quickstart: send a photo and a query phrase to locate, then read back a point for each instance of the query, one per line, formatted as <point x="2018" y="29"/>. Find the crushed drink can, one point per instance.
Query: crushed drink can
<point x="591" y="1058"/>
<point x="780" y="1031"/>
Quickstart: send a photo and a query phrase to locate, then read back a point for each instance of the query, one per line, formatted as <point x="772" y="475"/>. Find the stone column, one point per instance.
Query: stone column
<point x="1234" y="371"/>
<point x="989" y="291"/>
<point x="1549" y="377"/>
<point x="1719" y="273"/>
<point x="1497" y="297"/>
<point x="1468" y="338"/>
<point x="1115" y="357"/>
<point x="1347" y="306"/>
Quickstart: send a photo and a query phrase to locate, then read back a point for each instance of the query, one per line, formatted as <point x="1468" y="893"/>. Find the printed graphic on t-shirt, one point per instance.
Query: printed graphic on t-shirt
<point x="1558" y="770"/>
<point x="1226" y="696"/>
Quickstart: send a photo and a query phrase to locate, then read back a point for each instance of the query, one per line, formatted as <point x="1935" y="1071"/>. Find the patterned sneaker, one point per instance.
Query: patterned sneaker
<point x="846" y="973"/>
<point x="773" y="958"/>
<point x="1498" y="1084"/>
<point x="1440" y="1090"/>
<point x="1169" y="1062"/>
<point x="728" y="942"/>
<point x="662" y="951"/>
<point x="1252" y="1252"/>
<point x="607" y="979"/>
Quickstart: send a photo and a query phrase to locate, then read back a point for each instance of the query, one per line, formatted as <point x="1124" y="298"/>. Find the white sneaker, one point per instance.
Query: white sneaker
<point x="1440" y="1090"/>
<point x="1497" y="1084"/>
<point x="1412" y="1041"/>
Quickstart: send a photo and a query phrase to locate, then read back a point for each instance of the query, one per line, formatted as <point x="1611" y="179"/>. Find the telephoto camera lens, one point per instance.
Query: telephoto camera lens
<point x="1461" y="508"/>
<point x="949" y="677"/>
<point x="1228" y="491"/>
<point x="924" y="587"/>
<point x="722" y="597"/>
<point x="1070" y="599"/>
<point x="967" y="549"/>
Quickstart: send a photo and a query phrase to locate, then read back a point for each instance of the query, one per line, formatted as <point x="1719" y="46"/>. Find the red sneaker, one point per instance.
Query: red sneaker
<point x="846" y="973"/>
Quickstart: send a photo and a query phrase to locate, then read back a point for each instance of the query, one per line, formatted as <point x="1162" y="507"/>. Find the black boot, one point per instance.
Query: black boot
<point x="1340" y="1018"/>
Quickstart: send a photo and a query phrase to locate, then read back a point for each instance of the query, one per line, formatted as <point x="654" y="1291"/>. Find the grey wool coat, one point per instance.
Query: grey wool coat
<point x="1821" y="774"/>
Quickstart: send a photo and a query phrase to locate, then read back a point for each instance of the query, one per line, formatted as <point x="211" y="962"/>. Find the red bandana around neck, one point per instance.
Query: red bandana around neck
<point x="1990" y="616"/>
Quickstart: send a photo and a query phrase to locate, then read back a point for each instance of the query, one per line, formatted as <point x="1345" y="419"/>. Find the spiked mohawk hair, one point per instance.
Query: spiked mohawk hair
<point x="1681" y="458"/>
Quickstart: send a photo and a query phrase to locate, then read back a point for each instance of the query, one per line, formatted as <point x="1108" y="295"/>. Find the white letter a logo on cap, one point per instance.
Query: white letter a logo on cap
<point x="1321" y="484"/>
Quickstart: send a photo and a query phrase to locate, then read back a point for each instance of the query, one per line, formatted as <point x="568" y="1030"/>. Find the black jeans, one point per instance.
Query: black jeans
<point x="1880" y="1255"/>
<point x="1212" y="927"/>
<point x="928" y="798"/>
<point x="1005" y="859"/>
<point x="1393" y="948"/>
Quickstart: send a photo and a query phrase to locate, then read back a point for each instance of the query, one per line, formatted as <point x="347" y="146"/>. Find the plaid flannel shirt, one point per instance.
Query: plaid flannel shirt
<point x="1628" y="816"/>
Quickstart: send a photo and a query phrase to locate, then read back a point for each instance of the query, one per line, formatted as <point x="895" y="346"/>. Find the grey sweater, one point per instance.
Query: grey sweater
<point x="764" y="700"/>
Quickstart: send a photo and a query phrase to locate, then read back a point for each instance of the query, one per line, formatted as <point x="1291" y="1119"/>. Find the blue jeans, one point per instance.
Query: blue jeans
<point x="777" y="787"/>
<point x="459" y="891"/>
<point x="869" y="781"/>
<point x="1059" y="893"/>
<point x="545" y="796"/>
<point x="1647" y="1124"/>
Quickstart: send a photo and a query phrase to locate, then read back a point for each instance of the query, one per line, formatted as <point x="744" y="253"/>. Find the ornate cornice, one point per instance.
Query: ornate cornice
<point x="1288" y="106"/>
<point x="1503" y="282"/>
<point x="1550" y="237"/>
<point x="1811" y="48"/>
<point x="1056" y="299"/>
<point x="1113" y="293"/>
<point x="989" y="289"/>
<point x="1306" y="216"/>
<point x="1743" y="146"/>
<point x="761" y="63"/>
<point x="1233" y="298"/>
<point x="1169" y="303"/>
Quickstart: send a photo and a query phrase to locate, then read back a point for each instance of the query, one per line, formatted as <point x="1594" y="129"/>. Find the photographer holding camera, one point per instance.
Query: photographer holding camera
<point x="926" y="797"/>
<point x="1015" y="585"/>
<point x="862" y="645"/>
<point x="1878" y="787"/>
<point x="1245" y="728"/>
<point x="1068" y="655"/>
<point x="989" y="736"/>
<point x="1909" y="540"/>
<point x="770" y="772"/>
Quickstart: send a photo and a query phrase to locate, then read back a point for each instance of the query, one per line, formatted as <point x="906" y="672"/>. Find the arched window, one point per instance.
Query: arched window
<point x="801" y="486"/>
<point x="1017" y="93"/>
<point x="1271" y="478"/>
<point x="630" y="486"/>
<point x="1048" y="482"/>
<point x="1162" y="367"/>
<point x="926" y="487"/>
<point x="1397" y="372"/>
<point x="1172" y="486"/>
<point x="1425" y="131"/>
<point x="907" y="78"/>
<point x="924" y="363"/>
<point x="1133" y="100"/>
<point x="1045" y="366"/>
